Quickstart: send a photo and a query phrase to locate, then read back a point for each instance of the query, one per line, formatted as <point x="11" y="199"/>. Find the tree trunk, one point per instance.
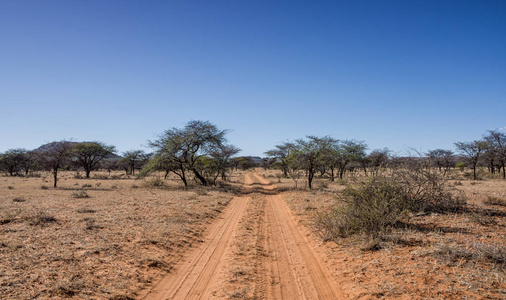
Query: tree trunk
<point x="88" y="173"/>
<point x="310" y="180"/>
<point x="55" y="174"/>
<point x="332" y="174"/>
<point x="341" y="172"/>
<point x="202" y="179"/>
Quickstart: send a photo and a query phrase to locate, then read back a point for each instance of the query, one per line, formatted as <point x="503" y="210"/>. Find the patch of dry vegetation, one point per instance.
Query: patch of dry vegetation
<point x="495" y="201"/>
<point x="457" y="253"/>
<point x="61" y="243"/>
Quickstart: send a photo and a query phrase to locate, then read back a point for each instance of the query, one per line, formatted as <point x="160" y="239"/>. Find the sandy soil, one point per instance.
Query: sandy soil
<point x="254" y="239"/>
<point x="440" y="256"/>
<point x="282" y="265"/>
<point x="126" y="233"/>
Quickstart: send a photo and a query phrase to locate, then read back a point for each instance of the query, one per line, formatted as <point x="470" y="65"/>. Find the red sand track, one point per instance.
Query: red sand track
<point x="290" y="268"/>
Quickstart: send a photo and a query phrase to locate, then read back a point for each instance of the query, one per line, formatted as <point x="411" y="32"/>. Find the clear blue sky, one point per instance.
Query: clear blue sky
<point x="395" y="74"/>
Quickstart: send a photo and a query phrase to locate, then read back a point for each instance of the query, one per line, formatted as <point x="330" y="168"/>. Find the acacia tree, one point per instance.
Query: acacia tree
<point x="471" y="151"/>
<point x="28" y="162"/>
<point x="310" y="153"/>
<point x="441" y="158"/>
<point x="133" y="159"/>
<point x="378" y="158"/>
<point x="282" y="153"/>
<point x="294" y="167"/>
<point x="221" y="155"/>
<point x="497" y="140"/>
<point x="184" y="147"/>
<point x="55" y="157"/>
<point x="13" y="160"/>
<point x="348" y="151"/>
<point x="88" y="155"/>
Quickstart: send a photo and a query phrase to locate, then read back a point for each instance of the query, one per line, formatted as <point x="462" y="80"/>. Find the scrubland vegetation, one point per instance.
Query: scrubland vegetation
<point x="77" y="220"/>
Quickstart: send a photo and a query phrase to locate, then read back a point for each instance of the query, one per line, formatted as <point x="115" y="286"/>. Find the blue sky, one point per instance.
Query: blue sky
<point x="396" y="74"/>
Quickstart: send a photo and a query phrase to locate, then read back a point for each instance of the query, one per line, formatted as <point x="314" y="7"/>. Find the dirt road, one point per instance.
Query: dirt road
<point x="254" y="251"/>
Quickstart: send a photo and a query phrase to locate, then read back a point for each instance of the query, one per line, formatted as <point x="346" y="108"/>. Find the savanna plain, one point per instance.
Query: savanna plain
<point x="255" y="236"/>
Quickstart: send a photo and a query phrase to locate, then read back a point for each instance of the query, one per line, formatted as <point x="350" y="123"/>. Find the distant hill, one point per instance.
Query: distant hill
<point x="255" y="159"/>
<point x="52" y="145"/>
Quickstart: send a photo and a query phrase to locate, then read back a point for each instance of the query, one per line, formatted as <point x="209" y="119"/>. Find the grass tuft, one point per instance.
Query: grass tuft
<point x="80" y="194"/>
<point x="495" y="201"/>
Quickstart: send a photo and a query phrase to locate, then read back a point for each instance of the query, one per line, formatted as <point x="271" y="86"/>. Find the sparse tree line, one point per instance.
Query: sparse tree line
<point x="200" y="152"/>
<point x="329" y="157"/>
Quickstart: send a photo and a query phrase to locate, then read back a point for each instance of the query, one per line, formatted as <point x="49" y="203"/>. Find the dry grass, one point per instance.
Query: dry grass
<point x="108" y="246"/>
<point x="495" y="201"/>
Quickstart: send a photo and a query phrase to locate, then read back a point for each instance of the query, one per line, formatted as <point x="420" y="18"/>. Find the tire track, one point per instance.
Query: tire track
<point x="195" y="272"/>
<point x="285" y="264"/>
<point x="299" y="269"/>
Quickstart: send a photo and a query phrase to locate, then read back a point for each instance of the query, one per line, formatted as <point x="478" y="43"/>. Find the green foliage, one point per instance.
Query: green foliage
<point x="460" y="165"/>
<point x="89" y="155"/>
<point x="190" y="150"/>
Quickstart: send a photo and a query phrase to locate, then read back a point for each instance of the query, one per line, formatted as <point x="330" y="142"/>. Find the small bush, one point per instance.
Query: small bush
<point x="495" y="254"/>
<point x="495" y="201"/>
<point x="86" y="186"/>
<point x="86" y="211"/>
<point x="80" y="194"/>
<point x="8" y="217"/>
<point x="382" y="202"/>
<point x="100" y="176"/>
<point x="18" y="199"/>
<point x="44" y="187"/>
<point x="10" y="187"/>
<point x="154" y="182"/>
<point x="369" y="208"/>
<point x="42" y="218"/>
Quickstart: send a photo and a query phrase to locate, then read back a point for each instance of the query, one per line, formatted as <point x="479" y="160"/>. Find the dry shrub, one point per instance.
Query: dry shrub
<point x="494" y="254"/>
<point x="80" y="194"/>
<point x="382" y="202"/>
<point x="156" y="263"/>
<point x="428" y="190"/>
<point x="100" y="176"/>
<point x="86" y="211"/>
<point x="68" y="289"/>
<point x="18" y="199"/>
<point x="44" y="187"/>
<point x="42" y="218"/>
<point x="371" y="207"/>
<point x="154" y="182"/>
<point x="495" y="201"/>
<point x="8" y="217"/>
<point x="121" y="297"/>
